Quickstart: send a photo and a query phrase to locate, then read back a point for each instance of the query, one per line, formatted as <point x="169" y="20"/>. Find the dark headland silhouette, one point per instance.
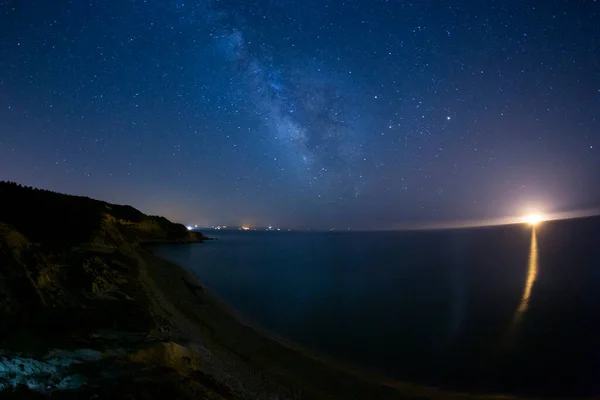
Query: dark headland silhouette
<point x="88" y="311"/>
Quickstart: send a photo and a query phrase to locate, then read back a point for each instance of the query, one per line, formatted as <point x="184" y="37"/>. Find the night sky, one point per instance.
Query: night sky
<point x="315" y="113"/>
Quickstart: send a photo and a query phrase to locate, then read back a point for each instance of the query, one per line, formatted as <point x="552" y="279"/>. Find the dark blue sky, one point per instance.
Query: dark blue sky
<point x="314" y="113"/>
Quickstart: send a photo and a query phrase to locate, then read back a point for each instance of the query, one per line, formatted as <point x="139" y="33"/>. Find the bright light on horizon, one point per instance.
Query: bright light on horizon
<point x="533" y="219"/>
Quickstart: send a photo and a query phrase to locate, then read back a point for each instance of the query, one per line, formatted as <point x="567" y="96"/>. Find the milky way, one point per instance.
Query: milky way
<point x="305" y="115"/>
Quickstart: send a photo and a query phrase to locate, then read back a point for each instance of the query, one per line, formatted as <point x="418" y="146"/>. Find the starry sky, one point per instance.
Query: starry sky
<point x="362" y="114"/>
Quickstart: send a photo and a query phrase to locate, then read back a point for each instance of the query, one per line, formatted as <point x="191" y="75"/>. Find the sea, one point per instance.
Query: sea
<point x="507" y="309"/>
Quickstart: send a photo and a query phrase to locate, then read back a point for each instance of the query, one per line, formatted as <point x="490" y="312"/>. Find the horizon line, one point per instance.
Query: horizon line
<point x="427" y="225"/>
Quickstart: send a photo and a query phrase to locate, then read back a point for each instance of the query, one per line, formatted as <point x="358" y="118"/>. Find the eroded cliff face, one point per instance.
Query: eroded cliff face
<point x="82" y="295"/>
<point x="98" y="278"/>
<point x="59" y="251"/>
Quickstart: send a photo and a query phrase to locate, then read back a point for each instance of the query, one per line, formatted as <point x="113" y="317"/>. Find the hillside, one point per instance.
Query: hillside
<point x="70" y="274"/>
<point x="49" y="218"/>
<point x="60" y="253"/>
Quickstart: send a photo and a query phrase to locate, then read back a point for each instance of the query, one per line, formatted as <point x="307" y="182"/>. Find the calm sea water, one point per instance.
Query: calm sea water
<point x="503" y="309"/>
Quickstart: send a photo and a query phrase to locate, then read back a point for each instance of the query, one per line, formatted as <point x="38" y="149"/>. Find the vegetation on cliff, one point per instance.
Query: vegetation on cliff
<point x="49" y="218"/>
<point x="70" y="278"/>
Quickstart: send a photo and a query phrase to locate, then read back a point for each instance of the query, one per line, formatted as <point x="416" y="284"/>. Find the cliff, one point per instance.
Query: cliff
<point x="70" y="271"/>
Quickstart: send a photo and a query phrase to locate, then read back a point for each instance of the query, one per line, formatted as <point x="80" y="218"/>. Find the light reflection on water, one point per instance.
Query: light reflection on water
<point x="532" y="271"/>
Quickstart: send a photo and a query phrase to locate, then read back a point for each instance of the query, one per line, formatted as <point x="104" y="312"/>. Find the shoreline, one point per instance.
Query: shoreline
<point x="92" y="311"/>
<point x="310" y="369"/>
<point x="260" y="330"/>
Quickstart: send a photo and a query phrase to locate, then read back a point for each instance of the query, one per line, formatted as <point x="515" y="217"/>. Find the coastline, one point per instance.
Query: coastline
<point x="261" y="361"/>
<point x="90" y="311"/>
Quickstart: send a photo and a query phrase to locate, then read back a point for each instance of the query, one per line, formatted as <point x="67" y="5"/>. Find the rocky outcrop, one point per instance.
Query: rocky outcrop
<point x="70" y="277"/>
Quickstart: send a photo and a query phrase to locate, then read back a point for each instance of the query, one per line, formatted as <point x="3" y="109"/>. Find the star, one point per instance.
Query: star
<point x="206" y="92"/>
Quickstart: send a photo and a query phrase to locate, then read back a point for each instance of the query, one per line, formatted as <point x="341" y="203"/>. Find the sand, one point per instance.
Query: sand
<point x="253" y="363"/>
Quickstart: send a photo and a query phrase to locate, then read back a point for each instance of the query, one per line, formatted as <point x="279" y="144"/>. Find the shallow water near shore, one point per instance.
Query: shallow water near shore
<point x="503" y="309"/>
